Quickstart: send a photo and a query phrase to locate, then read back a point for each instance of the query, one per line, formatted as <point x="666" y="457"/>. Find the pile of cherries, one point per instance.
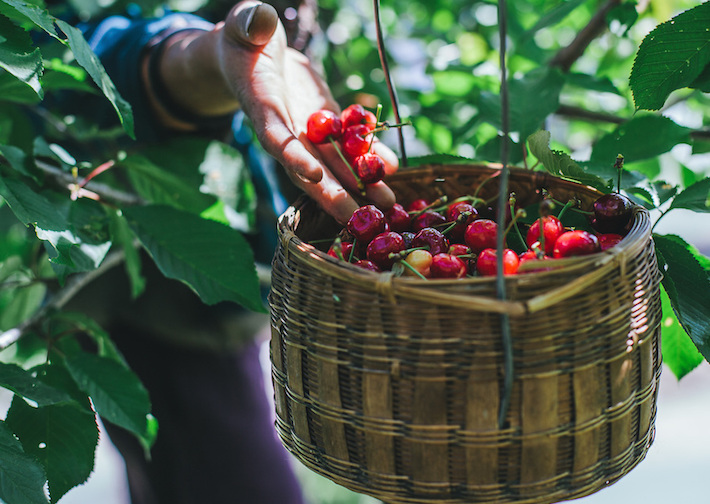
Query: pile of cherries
<point x="436" y="239"/>
<point x="351" y="132"/>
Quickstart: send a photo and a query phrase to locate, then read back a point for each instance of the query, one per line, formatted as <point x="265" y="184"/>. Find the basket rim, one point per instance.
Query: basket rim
<point x="590" y="266"/>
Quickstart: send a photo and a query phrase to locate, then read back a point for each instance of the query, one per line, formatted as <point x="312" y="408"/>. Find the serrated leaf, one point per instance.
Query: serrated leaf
<point x="67" y="321"/>
<point x="640" y="138"/>
<point x="19" y="57"/>
<point x="30" y="207"/>
<point x="687" y="283"/>
<point x="671" y="57"/>
<point x="696" y="197"/>
<point x="35" y="14"/>
<point x="159" y="186"/>
<point x="214" y="260"/>
<point x="116" y="392"/>
<point x="62" y="437"/>
<point x="533" y="97"/>
<point x="21" y="476"/>
<point x="16" y="157"/>
<point x="90" y="62"/>
<point x="559" y="163"/>
<point x="641" y="197"/>
<point x="679" y="353"/>
<point x="28" y="385"/>
<point x="664" y="190"/>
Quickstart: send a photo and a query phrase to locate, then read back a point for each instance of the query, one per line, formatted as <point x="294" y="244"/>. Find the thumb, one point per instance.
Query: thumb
<point x="252" y="23"/>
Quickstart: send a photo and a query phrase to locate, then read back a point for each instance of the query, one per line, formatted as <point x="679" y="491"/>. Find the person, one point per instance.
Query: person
<point x="184" y="76"/>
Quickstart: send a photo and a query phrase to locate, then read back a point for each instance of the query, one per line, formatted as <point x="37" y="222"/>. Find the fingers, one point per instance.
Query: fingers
<point x="251" y="23"/>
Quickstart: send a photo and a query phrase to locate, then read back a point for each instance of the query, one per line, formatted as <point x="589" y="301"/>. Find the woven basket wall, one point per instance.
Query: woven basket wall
<point x="391" y="386"/>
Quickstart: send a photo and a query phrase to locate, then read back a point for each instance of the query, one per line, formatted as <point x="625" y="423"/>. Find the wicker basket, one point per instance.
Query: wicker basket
<point x="391" y="386"/>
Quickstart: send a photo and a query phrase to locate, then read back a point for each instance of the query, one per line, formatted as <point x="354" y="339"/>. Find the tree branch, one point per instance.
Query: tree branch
<point x="61" y="298"/>
<point x="566" y="57"/>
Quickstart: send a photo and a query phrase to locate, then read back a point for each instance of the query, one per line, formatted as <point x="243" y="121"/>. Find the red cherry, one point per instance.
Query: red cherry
<point x="575" y="243"/>
<point x="553" y="229"/>
<point x="448" y="266"/>
<point x="428" y="218"/>
<point x="459" y="249"/>
<point x="453" y="213"/>
<point x="341" y="250"/>
<point x="608" y="240"/>
<point x="418" y="205"/>
<point x="322" y="125"/>
<point x="612" y="212"/>
<point x="381" y="246"/>
<point x="398" y="218"/>
<point x="433" y="239"/>
<point x="355" y="141"/>
<point x="481" y="234"/>
<point x="357" y="114"/>
<point x="366" y="222"/>
<point x="365" y="264"/>
<point x="487" y="264"/>
<point x="370" y="168"/>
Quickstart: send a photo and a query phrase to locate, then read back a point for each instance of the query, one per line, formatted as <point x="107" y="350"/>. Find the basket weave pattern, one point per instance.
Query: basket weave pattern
<point x="391" y="386"/>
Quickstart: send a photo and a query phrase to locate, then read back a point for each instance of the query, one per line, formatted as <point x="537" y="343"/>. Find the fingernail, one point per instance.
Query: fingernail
<point x="247" y="18"/>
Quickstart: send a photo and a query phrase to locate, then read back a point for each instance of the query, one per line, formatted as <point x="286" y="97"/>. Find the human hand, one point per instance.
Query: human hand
<point x="246" y="62"/>
<point x="278" y="93"/>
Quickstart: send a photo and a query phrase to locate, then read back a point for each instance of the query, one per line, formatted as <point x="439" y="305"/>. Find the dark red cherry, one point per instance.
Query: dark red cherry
<point x="487" y="263"/>
<point x="481" y="234"/>
<point x="575" y="243"/>
<point x="398" y="218"/>
<point x="418" y="205"/>
<point x="381" y="246"/>
<point x="428" y="218"/>
<point x="447" y="266"/>
<point x="433" y="239"/>
<point x="341" y="250"/>
<point x="366" y="222"/>
<point x="370" y="168"/>
<point x="322" y="125"/>
<point x="553" y="229"/>
<point x="365" y="264"/>
<point x="453" y="214"/>
<point x="612" y="212"/>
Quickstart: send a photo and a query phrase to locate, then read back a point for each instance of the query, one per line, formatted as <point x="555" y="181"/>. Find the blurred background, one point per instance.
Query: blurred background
<point x="444" y="57"/>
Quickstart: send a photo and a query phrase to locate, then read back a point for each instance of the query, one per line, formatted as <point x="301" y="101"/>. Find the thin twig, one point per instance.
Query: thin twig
<point x="61" y="298"/>
<point x="565" y="57"/>
<point x="104" y="191"/>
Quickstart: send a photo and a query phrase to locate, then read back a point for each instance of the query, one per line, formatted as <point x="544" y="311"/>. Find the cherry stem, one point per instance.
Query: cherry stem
<point x="413" y="269"/>
<point x="404" y="253"/>
<point x="619" y="165"/>
<point x="517" y="214"/>
<point x="566" y="206"/>
<point x="434" y="204"/>
<point x="360" y="185"/>
<point x="463" y="216"/>
<point x="96" y="171"/>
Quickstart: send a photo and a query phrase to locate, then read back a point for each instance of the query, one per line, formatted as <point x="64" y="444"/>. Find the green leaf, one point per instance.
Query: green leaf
<point x="28" y="385"/>
<point x="87" y="59"/>
<point x="18" y="56"/>
<point x="30" y="207"/>
<point x="559" y="163"/>
<point x="63" y="322"/>
<point x="35" y="14"/>
<point x="20" y="303"/>
<point x="696" y="197"/>
<point x="664" y="190"/>
<point x="679" y="353"/>
<point x="533" y="97"/>
<point x="160" y="186"/>
<point x="116" y="392"/>
<point x="124" y="238"/>
<point x="642" y="137"/>
<point x="21" y="476"/>
<point x="62" y="437"/>
<point x="16" y="157"/>
<point x="642" y="197"/>
<point x="687" y="283"/>
<point x="671" y="57"/>
<point x="214" y="260"/>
